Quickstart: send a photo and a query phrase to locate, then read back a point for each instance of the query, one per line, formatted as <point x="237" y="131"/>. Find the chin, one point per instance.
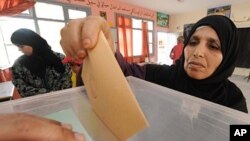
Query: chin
<point x="196" y="75"/>
<point x="28" y="54"/>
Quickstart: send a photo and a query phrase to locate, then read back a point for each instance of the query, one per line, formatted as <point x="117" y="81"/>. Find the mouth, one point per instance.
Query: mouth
<point x="194" y="64"/>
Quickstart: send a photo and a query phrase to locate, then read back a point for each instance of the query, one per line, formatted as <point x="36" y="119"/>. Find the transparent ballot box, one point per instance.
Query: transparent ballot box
<point x="172" y="116"/>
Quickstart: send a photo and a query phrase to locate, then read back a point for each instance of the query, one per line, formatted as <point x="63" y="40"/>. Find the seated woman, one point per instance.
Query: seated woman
<point x="39" y="70"/>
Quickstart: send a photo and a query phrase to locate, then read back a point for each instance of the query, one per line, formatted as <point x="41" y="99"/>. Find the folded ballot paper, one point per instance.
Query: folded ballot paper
<point x="109" y="92"/>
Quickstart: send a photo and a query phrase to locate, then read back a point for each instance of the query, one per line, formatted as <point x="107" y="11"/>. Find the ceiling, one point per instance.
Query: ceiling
<point x="173" y="7"/>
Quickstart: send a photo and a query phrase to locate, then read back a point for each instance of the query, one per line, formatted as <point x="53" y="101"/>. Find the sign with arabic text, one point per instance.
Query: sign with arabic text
<point x="162" y="19"/>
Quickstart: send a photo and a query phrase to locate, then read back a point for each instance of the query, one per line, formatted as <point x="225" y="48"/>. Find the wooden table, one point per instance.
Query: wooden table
<point x="6" y="90"/>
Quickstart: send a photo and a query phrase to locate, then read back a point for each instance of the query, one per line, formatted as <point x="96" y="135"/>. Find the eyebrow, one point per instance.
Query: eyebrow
<point x="209" y="39"/>
<point x="214" y="40"/>
<point x="194" y="37"/>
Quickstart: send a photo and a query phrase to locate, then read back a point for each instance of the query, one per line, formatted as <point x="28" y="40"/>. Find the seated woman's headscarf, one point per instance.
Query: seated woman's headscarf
<point x="42" y="55"/>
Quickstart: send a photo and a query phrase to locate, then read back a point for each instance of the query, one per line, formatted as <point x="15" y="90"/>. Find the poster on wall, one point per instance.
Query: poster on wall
<point x="187" y="28"/>
<point x="162" y="19"/>
<point x="161" y="44"/>
<point x="103" y="14"/>
<point x="223" y="10"/>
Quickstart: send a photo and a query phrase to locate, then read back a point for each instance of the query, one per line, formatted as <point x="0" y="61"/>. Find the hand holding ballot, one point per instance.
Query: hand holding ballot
<point x="91" y="39"/>
<point x="81" y="34"/>
<point x="25" y="127"/>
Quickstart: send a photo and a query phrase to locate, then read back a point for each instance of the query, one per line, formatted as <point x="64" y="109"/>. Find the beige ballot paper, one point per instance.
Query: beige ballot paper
<point x="109" y="92"/>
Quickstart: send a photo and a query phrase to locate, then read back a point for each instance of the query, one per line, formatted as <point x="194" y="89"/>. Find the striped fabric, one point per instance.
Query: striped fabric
<point x="14" y="7"/>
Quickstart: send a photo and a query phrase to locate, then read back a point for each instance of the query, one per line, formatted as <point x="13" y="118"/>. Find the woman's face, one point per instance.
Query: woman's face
<point x="26" y="49"/>
<point x="202" y="53"/>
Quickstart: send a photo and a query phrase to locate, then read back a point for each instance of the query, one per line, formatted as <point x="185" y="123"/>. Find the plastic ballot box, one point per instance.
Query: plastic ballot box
<point x="172" y="116"/>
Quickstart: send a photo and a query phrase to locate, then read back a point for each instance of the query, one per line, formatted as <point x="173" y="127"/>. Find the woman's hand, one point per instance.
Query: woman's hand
<point x="25" y="127"/>
<point x="81" y="34"/>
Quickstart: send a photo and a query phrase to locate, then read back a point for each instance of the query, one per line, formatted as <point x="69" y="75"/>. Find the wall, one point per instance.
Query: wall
<point x="177" y="22"/>
<point x="240" y="14"/>
<point x="111" y="7"/>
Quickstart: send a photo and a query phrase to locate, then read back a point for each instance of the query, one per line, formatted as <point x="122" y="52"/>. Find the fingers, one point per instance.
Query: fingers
<point x="81" y="34"/>
<point x="67" y="126"/>
<point x="81" y="54"/>
<point x="90" y="31"/>
<point x="33" y="128"/>
<point x="57" y="133"/>
<point x="71" y="38"/>
<point x="67" y="49"/>
<point x="67" y="135"/>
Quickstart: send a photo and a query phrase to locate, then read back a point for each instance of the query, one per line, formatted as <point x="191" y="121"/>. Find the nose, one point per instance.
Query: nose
<point x="199" y="50"/>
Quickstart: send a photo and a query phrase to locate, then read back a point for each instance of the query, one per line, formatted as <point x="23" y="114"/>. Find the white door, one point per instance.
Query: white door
<point x="165" y="42"/>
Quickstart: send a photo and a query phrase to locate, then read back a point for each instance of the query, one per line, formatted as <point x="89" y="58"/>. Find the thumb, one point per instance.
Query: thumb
<point x="91" y="29"/>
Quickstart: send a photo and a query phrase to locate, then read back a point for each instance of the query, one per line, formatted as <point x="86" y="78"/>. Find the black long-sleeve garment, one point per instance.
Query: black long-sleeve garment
<point x="225" y="93"/>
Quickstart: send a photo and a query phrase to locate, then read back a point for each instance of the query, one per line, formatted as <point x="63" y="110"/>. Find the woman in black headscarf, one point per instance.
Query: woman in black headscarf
<point x="210" y="53"/>
<point x="39" y="70"/>
<point x="219" y="42"/>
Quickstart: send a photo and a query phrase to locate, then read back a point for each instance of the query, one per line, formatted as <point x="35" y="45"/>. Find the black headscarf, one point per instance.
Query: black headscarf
<point x="42" y="55"/>
<point x="227" y="33"/>
<point x="216" y="88"/>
